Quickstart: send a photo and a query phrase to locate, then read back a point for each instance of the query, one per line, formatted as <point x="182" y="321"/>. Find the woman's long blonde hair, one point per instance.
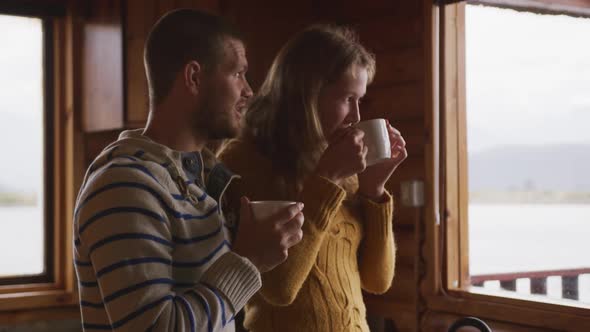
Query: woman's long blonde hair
<point x="283" y="119"/>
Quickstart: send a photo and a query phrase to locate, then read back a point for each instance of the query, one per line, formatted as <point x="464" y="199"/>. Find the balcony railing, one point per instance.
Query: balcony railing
<point x="570" y="288"/>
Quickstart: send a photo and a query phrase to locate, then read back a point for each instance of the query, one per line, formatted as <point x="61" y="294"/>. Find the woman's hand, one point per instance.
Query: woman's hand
<point x="345" y="156"/>
<point x="372" y="180"/>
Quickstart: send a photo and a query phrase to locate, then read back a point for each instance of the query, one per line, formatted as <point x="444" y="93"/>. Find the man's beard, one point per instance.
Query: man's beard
<point x="214" y="123"/>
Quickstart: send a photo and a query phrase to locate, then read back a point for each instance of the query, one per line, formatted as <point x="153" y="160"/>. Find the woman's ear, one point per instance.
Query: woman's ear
<point x="192" y="76"/>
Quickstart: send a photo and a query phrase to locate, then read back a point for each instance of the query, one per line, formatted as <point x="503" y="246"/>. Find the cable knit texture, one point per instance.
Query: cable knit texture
<point x="347" y="246"/>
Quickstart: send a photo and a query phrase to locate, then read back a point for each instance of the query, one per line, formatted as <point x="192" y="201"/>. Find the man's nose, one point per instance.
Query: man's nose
<point x="247" y="91"/>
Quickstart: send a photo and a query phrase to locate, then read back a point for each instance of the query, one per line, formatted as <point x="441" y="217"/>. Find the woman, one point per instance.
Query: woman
<point x="299" y="144"/>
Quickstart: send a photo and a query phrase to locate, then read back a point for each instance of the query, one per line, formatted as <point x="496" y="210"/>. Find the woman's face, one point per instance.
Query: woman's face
<point x="338" y="103"/>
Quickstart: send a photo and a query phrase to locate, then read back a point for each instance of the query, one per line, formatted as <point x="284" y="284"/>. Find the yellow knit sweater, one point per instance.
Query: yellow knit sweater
<point x="346" y="247"/>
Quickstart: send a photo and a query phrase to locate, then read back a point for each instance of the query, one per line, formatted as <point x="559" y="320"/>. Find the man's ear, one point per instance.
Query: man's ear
<point x="192" y="76"/>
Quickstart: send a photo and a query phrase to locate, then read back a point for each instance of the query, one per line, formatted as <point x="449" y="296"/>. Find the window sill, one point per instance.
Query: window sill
<point x="37" y="300"/>
<point x="521" y="309"/>
<point x="70" y="312"/>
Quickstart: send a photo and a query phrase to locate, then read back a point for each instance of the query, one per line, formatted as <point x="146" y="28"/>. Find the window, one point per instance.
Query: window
<point x="528" y="149"/>
<point x="39" y="168"/>
<point x="511" y="171"/>
<point x="25" y="131"/>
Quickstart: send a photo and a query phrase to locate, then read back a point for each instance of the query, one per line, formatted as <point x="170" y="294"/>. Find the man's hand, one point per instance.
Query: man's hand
<point x="266" y="243"/>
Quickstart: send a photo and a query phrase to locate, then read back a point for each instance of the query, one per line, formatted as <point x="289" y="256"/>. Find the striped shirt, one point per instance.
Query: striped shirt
<point x="151" y="247"/>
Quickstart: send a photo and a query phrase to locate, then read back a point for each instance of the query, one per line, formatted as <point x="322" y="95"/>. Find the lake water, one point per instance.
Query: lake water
<point x="533" y="237"/>
<point x="21" y="241"/>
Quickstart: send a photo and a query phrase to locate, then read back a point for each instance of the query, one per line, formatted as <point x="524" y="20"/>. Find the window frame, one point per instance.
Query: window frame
<point x="446" y="287"/>
<point x="52" y="294"/>
<point x="48" y="164"/>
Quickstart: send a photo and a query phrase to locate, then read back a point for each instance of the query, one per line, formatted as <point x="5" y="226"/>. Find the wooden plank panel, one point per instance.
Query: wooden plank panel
<point x="411" y="169"/>
<point x="405" y="241"/>
<point x="96" y="142"/>
<point x="263" y="45"/>
<point x="438" y="321"/>
<point x="390" y="33"/>
<point x="352" y="10"/>
<point x="405" y="218"/>
<point x="394" y="102"/>
<point x="141" y="15"/>
<point x="514" y="310"/>
<point x="257" y="10"/>
<point x="102" y="66"/>
<point x="211" y="6"/>
<point x="262" y="42"/>
<point x="402" y="65"/>
<point x="403" y="314"/>
<point x="414" y="134"/>
<point x="403" y="289"/>
<point x="63" y="313"/>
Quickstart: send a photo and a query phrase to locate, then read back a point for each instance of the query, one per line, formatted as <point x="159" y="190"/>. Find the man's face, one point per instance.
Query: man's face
<point x="224" y="93"/>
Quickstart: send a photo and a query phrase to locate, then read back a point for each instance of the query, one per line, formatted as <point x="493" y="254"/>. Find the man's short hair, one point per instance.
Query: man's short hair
<point x="178" y="37"/>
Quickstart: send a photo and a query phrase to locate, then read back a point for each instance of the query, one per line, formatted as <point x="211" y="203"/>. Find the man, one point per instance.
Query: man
<point x="152" y="250"/>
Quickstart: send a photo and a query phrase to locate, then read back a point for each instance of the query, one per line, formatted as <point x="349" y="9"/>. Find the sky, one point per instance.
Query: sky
<point x="21" y="96"/>
<point x="528" y="78"/>
<point x="528" y="83"/>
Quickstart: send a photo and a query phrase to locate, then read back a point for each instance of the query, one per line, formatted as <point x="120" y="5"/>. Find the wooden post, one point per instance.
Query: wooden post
<point x="508" y="284"/>
<point x="539" y="285"/>
<point x="569" y="287"/>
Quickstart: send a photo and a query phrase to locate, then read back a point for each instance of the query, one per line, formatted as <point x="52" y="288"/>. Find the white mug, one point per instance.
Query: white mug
<point x="376" y="139"/>
<point x="264" y="210"/>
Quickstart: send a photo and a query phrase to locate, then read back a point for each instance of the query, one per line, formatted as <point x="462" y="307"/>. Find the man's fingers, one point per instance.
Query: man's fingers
<point x="294" y="224"/>
<point x="294" y="239"/>
<point x="289" y="213"/>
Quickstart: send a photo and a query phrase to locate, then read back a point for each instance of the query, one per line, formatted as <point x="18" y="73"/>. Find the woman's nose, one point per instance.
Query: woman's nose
<point x="354" y="116"/>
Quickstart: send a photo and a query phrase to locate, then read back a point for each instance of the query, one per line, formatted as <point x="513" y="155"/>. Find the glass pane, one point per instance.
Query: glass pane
<point x="528" y="110"/>
<point x="21" y="142"/>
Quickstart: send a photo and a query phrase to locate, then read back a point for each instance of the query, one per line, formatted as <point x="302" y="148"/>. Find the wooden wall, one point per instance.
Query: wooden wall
<point x="110" y="94"/>
<point x="393" y="30"/>
<point x="399" y="33"/>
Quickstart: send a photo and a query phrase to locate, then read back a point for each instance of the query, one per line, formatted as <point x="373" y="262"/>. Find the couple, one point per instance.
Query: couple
<point x="157" y="246"/>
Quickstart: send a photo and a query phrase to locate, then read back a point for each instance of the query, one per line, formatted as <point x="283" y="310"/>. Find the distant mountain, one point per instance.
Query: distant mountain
<point x="531" y="168"/>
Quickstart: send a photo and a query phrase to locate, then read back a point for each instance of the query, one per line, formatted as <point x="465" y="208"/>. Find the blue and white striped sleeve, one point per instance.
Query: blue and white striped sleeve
<point x="123" y="229"/>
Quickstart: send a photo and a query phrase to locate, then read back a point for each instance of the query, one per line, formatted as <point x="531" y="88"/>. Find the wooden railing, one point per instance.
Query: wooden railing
<point x="569" y="281"/>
